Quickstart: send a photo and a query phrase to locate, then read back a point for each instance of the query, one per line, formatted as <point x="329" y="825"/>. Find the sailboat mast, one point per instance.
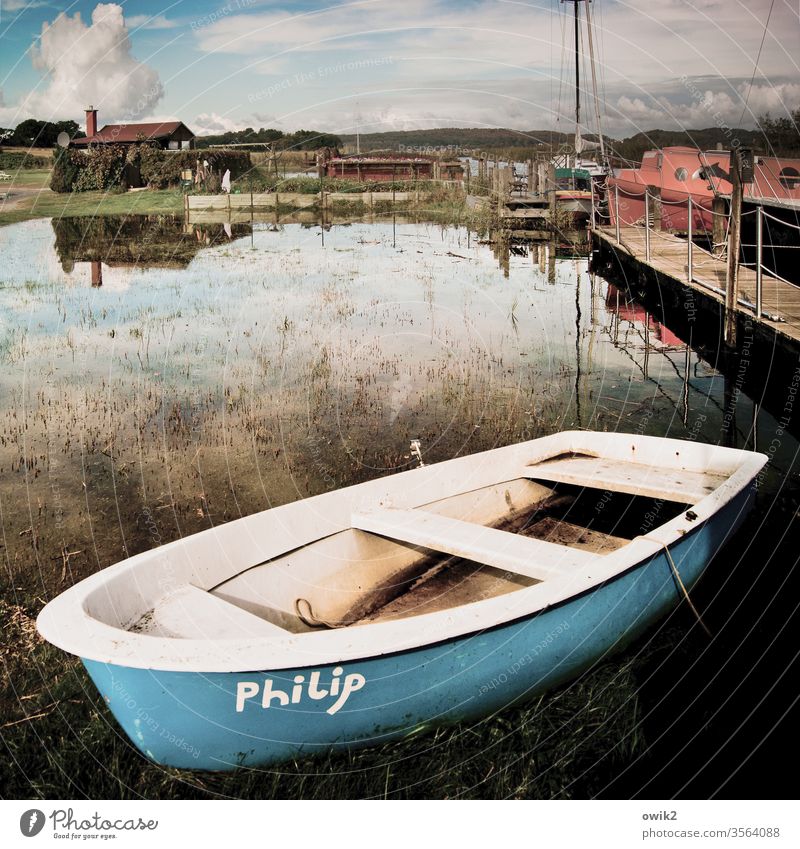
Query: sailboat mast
<point x="577" y="79"/>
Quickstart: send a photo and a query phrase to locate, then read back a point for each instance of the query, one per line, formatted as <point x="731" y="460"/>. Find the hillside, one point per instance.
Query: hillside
<point x="503" y="139"/>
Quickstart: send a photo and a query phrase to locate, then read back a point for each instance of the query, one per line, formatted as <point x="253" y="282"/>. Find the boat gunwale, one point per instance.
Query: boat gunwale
<point x="96" y="640"/>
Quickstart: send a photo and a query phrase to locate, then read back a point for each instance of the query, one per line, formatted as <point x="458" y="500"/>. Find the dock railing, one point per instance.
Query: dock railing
<point x="691" y="234"/>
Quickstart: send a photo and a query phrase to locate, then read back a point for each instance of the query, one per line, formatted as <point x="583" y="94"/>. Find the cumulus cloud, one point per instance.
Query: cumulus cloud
<point x="206" y="124"/>
<point x="92" y="63"/>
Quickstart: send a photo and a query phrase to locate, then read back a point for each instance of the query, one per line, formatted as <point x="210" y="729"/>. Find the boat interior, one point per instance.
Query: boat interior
<point x="394" y="563"/>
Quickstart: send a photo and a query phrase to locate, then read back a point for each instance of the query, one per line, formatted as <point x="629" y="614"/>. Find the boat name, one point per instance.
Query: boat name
<point x="339" y="689"/>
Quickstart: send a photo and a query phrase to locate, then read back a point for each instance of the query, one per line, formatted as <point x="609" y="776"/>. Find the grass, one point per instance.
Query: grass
<point x="52" y="205"/>
<point x="62" y="742"/>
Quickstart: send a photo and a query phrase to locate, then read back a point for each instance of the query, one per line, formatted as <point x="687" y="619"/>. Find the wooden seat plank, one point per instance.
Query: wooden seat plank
<point x="678" y="485"/>
<point x="530" y="557"/>
<point x="192" y="613"/>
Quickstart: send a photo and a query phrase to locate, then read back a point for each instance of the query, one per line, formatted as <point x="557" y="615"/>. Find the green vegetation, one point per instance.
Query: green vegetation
<point x="782" y="135"/>
<point x="300" y="140"/>
<point x="53" y="205"/>
<point x="35" y="133"/>
<point x="456" y="137"/>
<point x="259" y="180"/>
<point x="106" y="167"/>
<point x="15" y="160"/>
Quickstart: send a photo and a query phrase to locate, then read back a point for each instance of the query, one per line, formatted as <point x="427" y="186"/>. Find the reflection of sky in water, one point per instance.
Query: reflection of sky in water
<point x="419" y="318"/>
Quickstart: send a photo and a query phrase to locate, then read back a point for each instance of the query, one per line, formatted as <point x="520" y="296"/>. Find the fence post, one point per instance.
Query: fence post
<point x="689" y="244"/>
<point x="647" y="225"/>
<point x="616" y="212"/>
<point x="759" y="252"/>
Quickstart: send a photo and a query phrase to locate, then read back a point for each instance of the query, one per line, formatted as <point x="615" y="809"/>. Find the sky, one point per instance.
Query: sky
<point x="399" y="64"/>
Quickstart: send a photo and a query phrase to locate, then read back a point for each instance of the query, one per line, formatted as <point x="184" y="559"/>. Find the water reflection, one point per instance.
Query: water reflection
<point x="141" y="241"/>
<point x="251" y="366"/>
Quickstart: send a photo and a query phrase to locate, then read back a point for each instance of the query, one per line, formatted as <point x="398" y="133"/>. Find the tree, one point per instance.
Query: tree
<point x="34" y="133"/>
<point x="781" y="135"/>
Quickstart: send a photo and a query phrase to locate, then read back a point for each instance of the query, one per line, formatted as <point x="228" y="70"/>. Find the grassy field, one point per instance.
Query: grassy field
<point x="31" y="198"/>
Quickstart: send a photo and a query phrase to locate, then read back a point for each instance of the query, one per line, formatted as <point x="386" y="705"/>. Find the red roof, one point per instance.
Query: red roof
<point x="112" y="133"/>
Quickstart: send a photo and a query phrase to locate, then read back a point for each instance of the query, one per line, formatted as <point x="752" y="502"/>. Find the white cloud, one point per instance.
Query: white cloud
<point x="21" y="5"/>
<point x="90" y="64"/>
<point x="150" y="22"/>
<point x="206" y="124"/>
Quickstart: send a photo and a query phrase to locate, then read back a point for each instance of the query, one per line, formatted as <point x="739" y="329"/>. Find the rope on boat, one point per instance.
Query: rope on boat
<point x="685" y="592"/>
<point x="307" y="616"/>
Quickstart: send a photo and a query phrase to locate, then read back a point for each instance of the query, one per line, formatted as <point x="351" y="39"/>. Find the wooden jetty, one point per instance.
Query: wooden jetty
<point x="780" y="301"/>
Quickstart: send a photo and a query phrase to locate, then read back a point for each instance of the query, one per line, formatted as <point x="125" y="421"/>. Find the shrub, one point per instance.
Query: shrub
<point x="162" y="168"/>
<point x="101" y="167"/>
<point x="14" y="160"/>
<point x="65" y="170"/>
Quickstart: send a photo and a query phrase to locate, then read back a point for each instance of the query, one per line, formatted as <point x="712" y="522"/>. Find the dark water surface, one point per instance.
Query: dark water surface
<point x="158" y="379"/>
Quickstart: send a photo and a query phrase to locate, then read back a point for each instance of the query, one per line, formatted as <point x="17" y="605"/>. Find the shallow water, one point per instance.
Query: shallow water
<point x="156" y="380"/>
<point x="159" y="379"/>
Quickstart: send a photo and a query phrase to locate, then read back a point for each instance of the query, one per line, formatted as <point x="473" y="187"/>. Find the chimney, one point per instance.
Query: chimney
<point x="91" y="121"/>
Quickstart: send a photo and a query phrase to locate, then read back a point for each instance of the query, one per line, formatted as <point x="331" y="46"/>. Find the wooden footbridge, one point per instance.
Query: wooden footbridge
<point x="761" y="297"/>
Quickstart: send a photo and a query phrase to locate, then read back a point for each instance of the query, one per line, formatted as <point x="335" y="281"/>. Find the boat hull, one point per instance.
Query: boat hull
<point x="219" y="721"/>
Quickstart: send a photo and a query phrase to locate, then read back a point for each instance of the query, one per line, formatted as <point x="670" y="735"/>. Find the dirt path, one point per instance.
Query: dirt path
<point x="15" y="197"/>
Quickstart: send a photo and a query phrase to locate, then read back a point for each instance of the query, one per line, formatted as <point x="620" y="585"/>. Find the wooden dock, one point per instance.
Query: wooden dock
<point x="668" y="257"/>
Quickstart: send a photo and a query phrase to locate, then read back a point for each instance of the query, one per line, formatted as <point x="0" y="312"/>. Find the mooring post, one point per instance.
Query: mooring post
<point x="759" y="252"/>
<point x="689" y="244"/>
<point x="551" y="188"/>
<point x="718" y="216"/>
<point x="734" y="243"/>
<point x="616" y="214"/>
<point x="533" y="178"/>
<point x="647" y="225"/>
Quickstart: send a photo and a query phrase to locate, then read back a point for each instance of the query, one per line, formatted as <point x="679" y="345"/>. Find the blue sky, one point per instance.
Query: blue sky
<point x="395" y="65"/>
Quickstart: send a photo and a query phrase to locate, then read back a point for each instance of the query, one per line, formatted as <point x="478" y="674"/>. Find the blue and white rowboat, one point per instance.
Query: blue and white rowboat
<point x="369" y="613"/>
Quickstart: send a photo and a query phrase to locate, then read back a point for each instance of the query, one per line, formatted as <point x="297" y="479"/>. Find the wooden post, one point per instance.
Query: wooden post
<point x="533" y="177"/>
<point x="541" y="169"/>
<point x="718" y="223"/>
<point x="655" y="208"/>
<point x="734" y="242"/>
<point x="551" y="189"/>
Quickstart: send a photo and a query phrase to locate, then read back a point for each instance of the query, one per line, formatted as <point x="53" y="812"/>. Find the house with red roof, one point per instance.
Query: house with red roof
<point x="168" y="135"/>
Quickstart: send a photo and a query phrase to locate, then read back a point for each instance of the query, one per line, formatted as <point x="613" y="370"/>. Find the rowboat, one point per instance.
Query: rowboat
<point x="370" y="613"/>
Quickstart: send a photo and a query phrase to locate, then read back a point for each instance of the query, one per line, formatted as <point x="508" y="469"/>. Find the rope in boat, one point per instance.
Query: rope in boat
<point x="310" y="619"/>
<point x="685" y="592"/>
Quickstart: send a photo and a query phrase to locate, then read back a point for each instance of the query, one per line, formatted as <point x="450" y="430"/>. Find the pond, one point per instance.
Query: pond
<point x="159" y="378"/>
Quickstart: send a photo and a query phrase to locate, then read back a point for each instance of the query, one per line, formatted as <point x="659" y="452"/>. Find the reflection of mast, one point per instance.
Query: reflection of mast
<point x="578" y="348"/>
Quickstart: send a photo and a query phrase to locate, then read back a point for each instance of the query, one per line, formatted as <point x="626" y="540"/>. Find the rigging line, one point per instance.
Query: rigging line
<point x="594" y="85"/>
<point x="561" y="20"/>
<point x="758" y="59"/>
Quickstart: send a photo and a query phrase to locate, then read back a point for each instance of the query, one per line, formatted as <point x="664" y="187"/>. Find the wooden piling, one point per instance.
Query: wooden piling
<point x="719" y="212"/>
<point x="734" y="243"/>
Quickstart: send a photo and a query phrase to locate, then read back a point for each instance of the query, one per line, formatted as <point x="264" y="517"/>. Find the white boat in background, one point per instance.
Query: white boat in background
<point x="435" y="595"/>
